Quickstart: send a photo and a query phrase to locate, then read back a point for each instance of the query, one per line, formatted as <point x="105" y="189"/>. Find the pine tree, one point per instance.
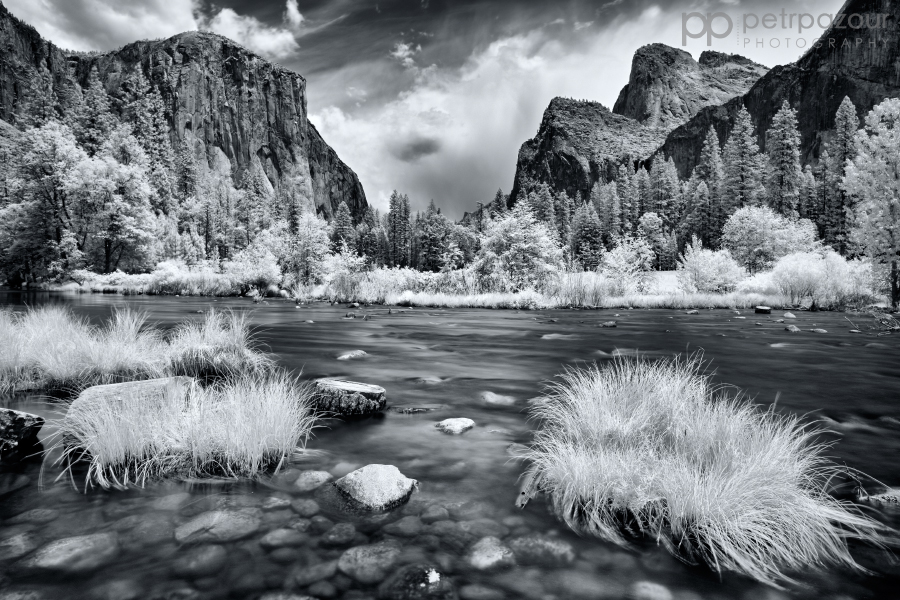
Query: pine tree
<point x="629" y="198"/>
<point x="434" y="232"/>
<point x="614" y="227"/>
<point x="499" y="204"/>
<point x="784" y="175"/>
<point x="399" y="230"/>
<point x="186" y="173"/>
<point x="562" y="207"/>
<point x="588" y="239"/>
<point x="93" y="120"/>
<point x="839" y="204"/>
<point x="700" y="219"/>
<point x="342" y="230"/>
<point x="37" y="103"/>
<point x="644" y="195"/>
<point x="664" y="186"/>
<point x="742" y="165"/>
<point x="807" y="205"/>
<point x="542" y="207"/>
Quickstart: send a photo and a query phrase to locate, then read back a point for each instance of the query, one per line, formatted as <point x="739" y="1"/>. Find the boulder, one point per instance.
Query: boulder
<point x="368" y="564"/>
<point x="608" y="324"/>
<point x="377" y="487"/>
<point x="219" y="526"/>
<point x="819" y="330"/>
<point x="455" y="426"/>
<point x="417" y="582"/>
<point x="489" y="553"/>
<point x="763" y="310"/>
<point x="344" y="398"/>
<point x="693" y="311"/>
<point x="497" y="399"/>
<point x="542" y="551"/>
<point x="79" y="554"/>
<point x="788" y="315"/>
<point x="353" y="354"/>
<point x="18" y="429"/>
<point x="310" y="480"/>
<point x="792" y="329"/>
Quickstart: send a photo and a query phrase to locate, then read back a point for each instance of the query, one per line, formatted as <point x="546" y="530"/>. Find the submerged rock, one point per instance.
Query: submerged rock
<point x="455" y="426"/>
<point x="497" y="399"/>
<point x="219" y="526"/>
<point x="792" y="329"/>
<point x="417" y="582"/>
<point x="310" y="480"/>
<point x="283" y="538"/>
<point x="304" y="576"/>
<point x="338" y="536"/>
<point x="202" y="561"/>
<point x="763" y="310"/>
<point x="377" y="487"/>
<point x="368" y="564"/>
<point x="344" y="398"/>
<point x="17" y="546"/>
<point x="18" y="429"/>
<point x="410" y="526"/>
<point x="78" y="554"/>
<point x="489" y="553"/>
<point x="542" y="551"/>
<point x="819" y="330"/>
<point x="647" y="590"/>
<point x="692" y="312"/>
<point x="608" y="324"/>
<point x="353" y="354"/>
<point x="475" y="591"/>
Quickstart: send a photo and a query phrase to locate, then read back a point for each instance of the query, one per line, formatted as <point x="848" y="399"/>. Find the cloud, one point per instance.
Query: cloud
<point x="269" y="41"/>
<point x="411" y="150"/>
<point x="292" y="14"/>
<point x="404" y="53"/>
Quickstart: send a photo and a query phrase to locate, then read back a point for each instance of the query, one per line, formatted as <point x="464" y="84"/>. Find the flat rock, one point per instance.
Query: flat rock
<point x="418" y="581"/>
<point x="310" y="480"/>
<point x="455" y="426"/>
<point x="792" y="329"/>
<point x="692" y="312"/>
<point x="345" y="398"/>
<point x="353" y="354"/>
<point x="763" y="310"/>
<point x="788" y="315"/>
<point x="406" y="527"/>
<point x="79" y="554"/>
<point x="608" y="324"/>
<point x="305" y="507"/>
<point x="307" y="575"/>
<point x="489" y="553"/>
<point x="368" y="564"/>
<point x="219" y="526"/>
<point x="18" y="429"/>
<point x="17" y="546"/>
<point x="283" y="538"/>
<point x="377" y="487"/>
<point x="542" y="551"/>
<point x="202" y="561"/>
<point x="819" y="330"/>
<point x="497" y="399"/>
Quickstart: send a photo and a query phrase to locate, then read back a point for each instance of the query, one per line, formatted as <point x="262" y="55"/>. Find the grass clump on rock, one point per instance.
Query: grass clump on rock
<point x="173" y="427"/>
<point x="654" y="449"/>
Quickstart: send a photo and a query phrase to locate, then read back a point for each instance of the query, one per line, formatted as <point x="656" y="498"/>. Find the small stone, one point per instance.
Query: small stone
<point x="304" y="576"/>
<point x="692" y="312"/>
<point x="792" y="329"/>
<point x="484" y="527"/>
<point x="470" y="510"/>
<point x="819" y="330"/>
<point x="434" y="513"/>
<point x="275" y="503"/>
<point x="219" y="526"/>
<point x="497" y="399"/>
<point x="368" y="564"/>
<point x="763" y="310"/>
<point x="352" y="355"/>
<point x="451" y="535"/>
<point x="455" y="426"/>
<point x="377" y="487"/>
<point x="284" y="556"/>
<point x="320" y="524"/>
<point x="322" y="589"/>
<point x="647" y="590"/>
<point x="280" y="538"/>
<point x="573" y="583"/>
<point x="171" y="502"/>
<point x="489" y="553"/>
<point x="405" y="527"/>
<point x="788" y="315"/>
<point x="608" y="324"/>
<point x="542" y="551"/>
<point x="305" y="508"/>
<point x="310" y="480"/>
<point x="78" y="554"/>
<point x="284" y="596"/>
<point x="202" y="561"/>
<point x="480" y="592"/>
<point x="418" y="581"/>
<point x="341" y="535"/>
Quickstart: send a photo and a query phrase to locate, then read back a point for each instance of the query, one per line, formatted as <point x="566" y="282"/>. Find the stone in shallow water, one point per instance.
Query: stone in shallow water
<point x="369" y="564"/>
<point x="434" y="513"/>
<point x="17" y="546"/>
<point x="305" y="508"/>
<point x="310" y="480"/>
<point x="377" y="487"/>
<point x="788" y="315"/>
<point x="323" y="589"/>
<point x="819" y="330"/>
<point x="201" y="561"/>
<point x="417" y="582"/>
<point x="455" y="426"/>
<point x="792" y="329"/>
<point x="342" y="397"/>
<point x="275" y="503"/>
<point x="304" y="576"/>
<point x="10" y="482"/>
<point x="476" y="591"/>
<point x="572" y="583"/>
<point x="171" y="502"/>
<point x="279" y="538"/>
<point x="647" y="590"/>
<point x="692" y="312"/>
<point x="489" y="553"/>
<point x="405" y="527"/>
<point x="219" y="526"/>
<point x="763" y="310"/>
<point x="18" y="429"/>
<point x="353" y="354"/>
<point x="35" y="515"/>
<point x="284" y="596"/>
<point x="542" y="551"/>
<point x="608" y="324"/>
<point x="497" y="399"/>
<point x="341" y="535"/>
<point x="78" y="554"/>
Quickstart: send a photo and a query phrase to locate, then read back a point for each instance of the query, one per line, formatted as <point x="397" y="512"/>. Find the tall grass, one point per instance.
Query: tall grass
<point x="50" y="348"/>
<point x="235" y="428"/>
<point x="641" y="448"/>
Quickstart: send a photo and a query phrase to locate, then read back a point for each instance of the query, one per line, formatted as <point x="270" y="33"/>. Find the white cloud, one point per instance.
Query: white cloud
<point x="404" y="53"/>
<point x="271" y="42"/>
<point x="292" y="14"/>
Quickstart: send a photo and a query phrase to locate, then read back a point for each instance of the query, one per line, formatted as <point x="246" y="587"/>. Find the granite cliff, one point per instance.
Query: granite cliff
<point x="229" y="102"/>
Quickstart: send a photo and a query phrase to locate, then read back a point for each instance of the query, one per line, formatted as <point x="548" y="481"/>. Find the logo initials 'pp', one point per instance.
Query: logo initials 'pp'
<point x="707" y="28"/>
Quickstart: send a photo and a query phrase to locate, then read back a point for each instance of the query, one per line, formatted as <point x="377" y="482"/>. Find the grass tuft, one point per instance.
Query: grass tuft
<point x="235" y="428"/>
<point x="653" y="449"/>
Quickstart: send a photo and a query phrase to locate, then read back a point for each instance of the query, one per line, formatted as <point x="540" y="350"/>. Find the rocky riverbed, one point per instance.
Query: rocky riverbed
<point x="295" y="535"/>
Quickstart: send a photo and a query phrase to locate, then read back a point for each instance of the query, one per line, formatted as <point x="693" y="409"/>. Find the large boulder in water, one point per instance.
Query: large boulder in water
<point x="377" y="487"/>
<point x="18" y="429"/>
<point x="345" y="398"/>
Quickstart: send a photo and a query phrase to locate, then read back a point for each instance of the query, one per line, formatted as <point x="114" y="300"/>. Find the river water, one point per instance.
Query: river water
<point x="445" y="361"/>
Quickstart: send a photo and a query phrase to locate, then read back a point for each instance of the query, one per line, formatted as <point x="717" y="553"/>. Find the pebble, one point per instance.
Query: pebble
<point x="419" y="581"/>
<point x="78" y="554"/>
<point x="480" y="592"/>
<point x="573" y="583"/>
<point x="405" y="527"/>
<point x="489" y="553"/>
<point x="484" y="527"/>
<point x="455" y="426"/>
<point x="219" y="526"/>
<point x="305" y="507"/>
<point x="284" y="556"/>
<point x="275" y="503"/>
<point x="201" y="561"/>
<point x="280" y="538"/>
<point x="368" y="564"/>
<point x="647" y="590"/>
<point x="340" y="535"/>
<point x="450" y="534"/>
<point x="322" y="589"/>
<point x="320" y="524"/>
<point x="304" y="576"/>
<point x="284" y="595"/>
<point x="542" y="551"/>
<point x="434" y="513"/>
<point x="310" y="480"/>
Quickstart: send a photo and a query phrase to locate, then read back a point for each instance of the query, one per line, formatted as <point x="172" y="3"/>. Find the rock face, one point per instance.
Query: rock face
<point x="230" y="102"/>
<point x="341" y="397"/>
<point x="667" y="86"/>
<point x="377" y="487"/>
<point x="18" y="429"/>
<point x="581" y="142"/>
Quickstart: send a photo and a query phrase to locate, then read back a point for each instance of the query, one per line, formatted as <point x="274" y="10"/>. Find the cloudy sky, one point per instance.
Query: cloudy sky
<point x="434" y="97"/>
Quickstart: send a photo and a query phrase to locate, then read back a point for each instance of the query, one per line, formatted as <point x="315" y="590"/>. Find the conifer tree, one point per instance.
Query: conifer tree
<point x="784" y="174"/>
<point x="398" y="230"/>
<point x="434" y="232"/>
<point x="644" y="194"/>
<point x="839" y="203"/>
<point x="562" y="207"/>
<point x="342" y="230"/>
<point x="629" y="198"/>
<point x="587" y="238"/>
<point x="542" y="206"/>
<point x="742" y="165"/>
<point x="498" y="205"/>
<point x="664" y="186"/>
<point x="807" y="205"/>
<point x="93" y="120"/>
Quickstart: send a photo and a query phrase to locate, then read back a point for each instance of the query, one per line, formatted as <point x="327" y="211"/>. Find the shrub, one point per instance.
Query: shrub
<point x="628" y="265"/>
<point x="253" y="267"/>
<point x="652" y="449"/>
<point x="825" y="277"/>
<point x="235" y="428"/>
<point x="756" y="236"/>
<point x="704" y="270"/>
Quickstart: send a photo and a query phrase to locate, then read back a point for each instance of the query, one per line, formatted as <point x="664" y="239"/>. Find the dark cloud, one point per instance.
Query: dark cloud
<point x="412" y="150"/>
